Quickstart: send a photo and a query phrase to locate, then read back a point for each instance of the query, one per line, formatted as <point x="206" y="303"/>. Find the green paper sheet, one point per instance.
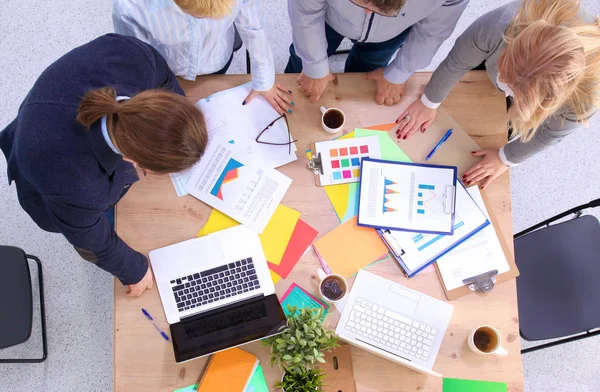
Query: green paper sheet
<point x="258" y="382"/>
<point x="389" y="149"/>
<point x="458" y="385"/>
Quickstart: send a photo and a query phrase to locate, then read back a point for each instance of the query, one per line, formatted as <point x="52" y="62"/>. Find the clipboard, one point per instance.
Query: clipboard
<point x="338" y="369"/>
<point x="484" y="279"/>
<point x="339" y="161"/>
<point x="456" y="151"/>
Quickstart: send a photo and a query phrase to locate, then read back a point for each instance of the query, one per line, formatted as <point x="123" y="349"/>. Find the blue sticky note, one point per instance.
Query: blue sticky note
<point x="355" y="162"/>
<point x="300" y="298"/>
<point x="337" y="175"/>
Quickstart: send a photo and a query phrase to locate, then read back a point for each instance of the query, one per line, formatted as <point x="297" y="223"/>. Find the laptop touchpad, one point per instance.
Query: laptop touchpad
<point x="207" y="251"/>
<point x="404" y="300"/>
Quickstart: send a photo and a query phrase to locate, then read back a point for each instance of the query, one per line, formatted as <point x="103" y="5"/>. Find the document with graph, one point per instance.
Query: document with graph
<point x="407" y="196"/>
<point x="237" y="184"/>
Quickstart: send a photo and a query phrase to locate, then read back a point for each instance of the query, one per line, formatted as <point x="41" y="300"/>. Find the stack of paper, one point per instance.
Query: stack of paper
<point x="284" y="240"/>
<point x="226" y="118"/>
<point x="300" y="298"/>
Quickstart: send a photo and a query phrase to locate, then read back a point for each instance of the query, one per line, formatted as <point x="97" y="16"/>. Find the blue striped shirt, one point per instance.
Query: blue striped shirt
<point x="198" y="46"/>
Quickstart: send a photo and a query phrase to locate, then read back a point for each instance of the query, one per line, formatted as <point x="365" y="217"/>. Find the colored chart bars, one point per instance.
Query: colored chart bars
<point x="420" y="198"/>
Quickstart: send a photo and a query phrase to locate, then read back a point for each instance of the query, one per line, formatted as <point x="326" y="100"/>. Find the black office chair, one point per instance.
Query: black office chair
<point x="237" y="44"/>
<point x="16" y="301"/>
<point x="558" y="290"/>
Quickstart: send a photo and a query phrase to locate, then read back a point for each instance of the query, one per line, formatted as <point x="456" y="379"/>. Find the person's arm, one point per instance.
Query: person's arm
<point x="550" y="133"/>
<point x="250" y="26"/>
<point x="471" y="49"/>
<point x="423" y="41"/>
<point x="89" y="231"/>
<point x="307" y="18"/>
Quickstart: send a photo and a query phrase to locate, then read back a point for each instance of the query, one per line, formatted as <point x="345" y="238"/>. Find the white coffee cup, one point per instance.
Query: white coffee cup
<point x="494" y="345"/>
<point x="332" y="119"/>
<point x="338" y="278"/>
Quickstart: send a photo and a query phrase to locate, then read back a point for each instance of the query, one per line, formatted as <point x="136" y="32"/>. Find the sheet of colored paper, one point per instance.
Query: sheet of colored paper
<point x="274" y="277"/>
<point x="258" y="382"/>
<point x="383" y="127"/>
<point x="389" y="148"/>
<point x="302" y="237"/>
<point x="189" y="388"/>
<point x="277" y="233"/>
<point x="297" y="296"/>
<point x="274" y="238"/>
<point x="348" y="248"/>
<point x="458" y="385"/>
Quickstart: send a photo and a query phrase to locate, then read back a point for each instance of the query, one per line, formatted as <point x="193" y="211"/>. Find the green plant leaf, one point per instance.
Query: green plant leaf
<point x="320" y="359"/>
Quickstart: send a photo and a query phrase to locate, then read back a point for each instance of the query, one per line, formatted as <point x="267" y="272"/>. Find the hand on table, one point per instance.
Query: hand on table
<point x="387" y="92"/>
<point x="314" y="88"/>
<point x="278" y="96"/>
<point x="416" y="117"/>
<point x="147" y="282"/>
<point x="487" y="170"/>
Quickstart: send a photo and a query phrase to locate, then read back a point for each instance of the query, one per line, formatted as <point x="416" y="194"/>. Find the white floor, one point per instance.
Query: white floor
<point x="79" y="298"/>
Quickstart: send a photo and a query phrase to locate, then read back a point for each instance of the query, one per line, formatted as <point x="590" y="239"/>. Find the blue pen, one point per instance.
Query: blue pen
<point x="437" y="146"/>
<point x="164" y="335"/>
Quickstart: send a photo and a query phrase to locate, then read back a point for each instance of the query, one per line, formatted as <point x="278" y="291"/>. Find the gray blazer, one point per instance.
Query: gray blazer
<point x="483" y="41"/>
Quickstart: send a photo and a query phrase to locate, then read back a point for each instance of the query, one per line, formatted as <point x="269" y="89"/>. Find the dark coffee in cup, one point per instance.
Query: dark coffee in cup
<point x="333" y="287"/>
<point x="485" y="339"/>
<point x="333" y="118"/>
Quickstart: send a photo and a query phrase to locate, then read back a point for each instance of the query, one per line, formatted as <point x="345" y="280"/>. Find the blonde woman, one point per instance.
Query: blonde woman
<point x="196" y="38"/>
<point x="545" y="55"/>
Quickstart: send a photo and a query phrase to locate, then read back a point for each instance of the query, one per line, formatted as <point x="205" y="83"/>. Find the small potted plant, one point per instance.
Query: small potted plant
<point x="303" y="341"/>
<point x="301" y="380"/>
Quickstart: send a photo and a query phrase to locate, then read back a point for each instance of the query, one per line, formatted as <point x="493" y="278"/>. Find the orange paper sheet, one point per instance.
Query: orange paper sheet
<point x="349" y="248"/>
<point x="382" y="127"/>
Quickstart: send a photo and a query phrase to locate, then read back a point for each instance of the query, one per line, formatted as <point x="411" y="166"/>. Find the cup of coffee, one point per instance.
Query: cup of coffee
<point x="486" y="340"/>
<point x="333" y="287"/>
<point x="332" y="119"/>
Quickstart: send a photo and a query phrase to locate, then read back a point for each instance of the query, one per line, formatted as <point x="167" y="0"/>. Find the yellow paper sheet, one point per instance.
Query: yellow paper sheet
<point x="277" y="234"/>
<point x="349" y="247"/>
<point x="274" y="238"/>
<point x="274" y="277"/>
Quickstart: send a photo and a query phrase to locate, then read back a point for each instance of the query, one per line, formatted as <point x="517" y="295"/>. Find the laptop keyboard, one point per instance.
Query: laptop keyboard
<point x="390" y="330"/>
<point x="215" y="284"/>
<point x="225" y="320"/>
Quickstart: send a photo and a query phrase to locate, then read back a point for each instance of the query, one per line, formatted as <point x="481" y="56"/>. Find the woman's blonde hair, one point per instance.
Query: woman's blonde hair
<point x="551" y="60"/>
<point x="212" y="9"/>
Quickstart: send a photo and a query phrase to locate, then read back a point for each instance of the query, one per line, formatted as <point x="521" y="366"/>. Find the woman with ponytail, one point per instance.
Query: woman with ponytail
<point x="545" y="55"/>
<point x="91" y="119"/>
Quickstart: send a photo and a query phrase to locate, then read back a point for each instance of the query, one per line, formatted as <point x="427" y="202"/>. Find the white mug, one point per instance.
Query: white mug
<point x="340" y="279"/>
<point x="496" y="341"/>
<point x="328" y="112"/>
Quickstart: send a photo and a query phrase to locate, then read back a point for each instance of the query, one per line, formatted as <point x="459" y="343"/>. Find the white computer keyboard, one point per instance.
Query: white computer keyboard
<point x="390" y="330"/>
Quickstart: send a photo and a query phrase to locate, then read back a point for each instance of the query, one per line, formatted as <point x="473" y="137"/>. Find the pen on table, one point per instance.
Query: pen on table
<point x="437" y="146"/>
<point x="323" y="263"/>
<point x="164" y="335"/>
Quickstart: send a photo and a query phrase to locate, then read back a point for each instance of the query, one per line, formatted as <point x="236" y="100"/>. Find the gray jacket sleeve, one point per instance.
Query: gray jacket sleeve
<point x="424" y="40"/>
<point x="470" y="49"/>
<point x="308" y="32"/>
<point x="551" y="132"/>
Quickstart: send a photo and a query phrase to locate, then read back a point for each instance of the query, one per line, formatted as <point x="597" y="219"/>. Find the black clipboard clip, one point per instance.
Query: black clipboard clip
<point x="316" y="164"/>
<point x="482" y="283"/>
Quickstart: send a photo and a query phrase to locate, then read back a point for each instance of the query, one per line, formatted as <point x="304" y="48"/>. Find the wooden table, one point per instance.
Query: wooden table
<point x="152" y="216"/>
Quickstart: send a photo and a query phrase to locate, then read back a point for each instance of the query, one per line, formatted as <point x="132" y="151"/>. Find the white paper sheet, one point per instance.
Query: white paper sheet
<point x="406" y="197"/>
<point x="238" y="185"/>
<point x="420" y="248"/>
<point x="477" y="255"/>
<point x="239" y="125"/>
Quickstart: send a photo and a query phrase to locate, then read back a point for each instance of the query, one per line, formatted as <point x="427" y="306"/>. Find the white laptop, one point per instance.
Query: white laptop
<point x="394" y="322"/>
<point x="217" y="292"/>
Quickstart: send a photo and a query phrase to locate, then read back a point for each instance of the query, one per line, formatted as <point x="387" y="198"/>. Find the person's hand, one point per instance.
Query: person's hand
<point x="487" y="170"/>
<point x="387" y="92"/>
<point x="416" y="117"/>
<point x="147" y="282"/>
<point x="314" y="88"/>
<point x="278" y="96"/>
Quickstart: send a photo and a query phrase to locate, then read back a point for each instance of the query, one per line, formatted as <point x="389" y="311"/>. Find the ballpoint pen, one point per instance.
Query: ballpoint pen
<point x="437" y="146"/>
<point x="164" y="335"/>
<point x="323" y="263"/>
